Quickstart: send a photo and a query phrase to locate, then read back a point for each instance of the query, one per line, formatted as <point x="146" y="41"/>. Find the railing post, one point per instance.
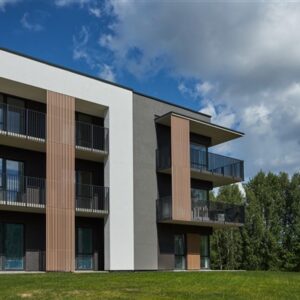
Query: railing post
<point x="92" y="137"/>
<point x="26" y="123"/>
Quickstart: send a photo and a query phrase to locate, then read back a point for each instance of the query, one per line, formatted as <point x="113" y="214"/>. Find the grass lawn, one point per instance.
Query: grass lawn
<point x="152" y="285"/>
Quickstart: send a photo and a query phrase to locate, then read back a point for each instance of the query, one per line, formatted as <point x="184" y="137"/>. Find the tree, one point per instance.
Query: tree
<point x="226" y="244"/>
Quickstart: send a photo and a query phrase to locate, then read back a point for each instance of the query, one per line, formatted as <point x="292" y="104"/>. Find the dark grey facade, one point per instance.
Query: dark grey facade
<point x="148" y="185"/>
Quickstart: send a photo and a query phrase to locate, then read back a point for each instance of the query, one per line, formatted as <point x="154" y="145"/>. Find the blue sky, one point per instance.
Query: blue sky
<point x="49" y="31"/>
<point x="238" y="61"/>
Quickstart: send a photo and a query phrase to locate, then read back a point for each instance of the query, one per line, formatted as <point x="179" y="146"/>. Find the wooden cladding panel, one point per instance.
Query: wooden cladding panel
<point x="60" y="202"/>
<point x="181" y="173"/>
<point x="193" y="251"/>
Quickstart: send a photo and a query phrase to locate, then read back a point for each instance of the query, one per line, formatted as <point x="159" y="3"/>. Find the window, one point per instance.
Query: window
<point x="199" y="197"/>
<point x="2" y="112"/>
<point x="84" y="130"/>
<point x="199" y="200"/>
<point x="198" y="156"/>
<point x="84" y="248"/>
<point x="15" y="115"/>
<point x="179" y="245"/>
<point x="11" y="180"/>
<point x="12" y="240"/>
<point x="84" y="189"/>
<point x="204" y="252"/>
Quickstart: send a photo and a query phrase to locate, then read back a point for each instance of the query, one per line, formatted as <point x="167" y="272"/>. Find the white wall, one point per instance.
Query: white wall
<point x="119" y="228"/>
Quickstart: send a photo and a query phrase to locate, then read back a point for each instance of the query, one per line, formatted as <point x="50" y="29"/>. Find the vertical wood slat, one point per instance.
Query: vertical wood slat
<point x="60" y="195"/>
<point x="193" y="251"/>
<point x="181" y="174"/>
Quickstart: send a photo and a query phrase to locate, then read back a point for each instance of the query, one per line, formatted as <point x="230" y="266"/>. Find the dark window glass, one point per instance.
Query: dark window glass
<point x="179" y="251"/>
<point x="12" y="179"/>
<point x="84" y="130"/>
<point x="198" y="156"/>
<point x="15" y="115"/>
<point x="199" y="197"/>
<point x="2" y="112"/>
<point x="204" y="252"/>
<point x="199" y="204"/>
<point x="84" y="248"/>
<point x="84" y="189"/>
<point x="14" y="247"/>
<point x="1" y="246"/>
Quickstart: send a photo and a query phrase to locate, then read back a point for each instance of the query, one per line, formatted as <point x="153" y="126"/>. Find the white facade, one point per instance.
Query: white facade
<point x="119" y="228"/>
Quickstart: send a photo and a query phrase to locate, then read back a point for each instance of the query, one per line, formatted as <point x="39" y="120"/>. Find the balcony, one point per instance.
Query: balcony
<point x="219" y="169"/>
<point x="19" y="192"/>
<point x="211" y="213"/>
<point x="24" y="193"/>
<point x="92" y="199"/>
<point x="22" y="122"/>
<point x="91" y="141"/>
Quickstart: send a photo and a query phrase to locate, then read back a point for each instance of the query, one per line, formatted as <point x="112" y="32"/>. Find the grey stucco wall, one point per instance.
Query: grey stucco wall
<point x="145" y="179"/>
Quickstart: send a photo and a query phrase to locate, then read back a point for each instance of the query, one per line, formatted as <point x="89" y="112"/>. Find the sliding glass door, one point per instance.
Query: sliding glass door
<point x="204" y="252"/>
<point x="16" y="115"/>
<point x="179" y="243"/>
<point x="199" y="200"/>
<point x="11" y="180"/>
<point x="84" y="255"/>
<point x="11" y="246"/>
<point x="2" y="113"/>
<point x="198" y="155"/>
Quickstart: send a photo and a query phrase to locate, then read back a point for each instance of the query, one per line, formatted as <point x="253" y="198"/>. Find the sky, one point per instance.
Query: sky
<point x="238" y="61"/>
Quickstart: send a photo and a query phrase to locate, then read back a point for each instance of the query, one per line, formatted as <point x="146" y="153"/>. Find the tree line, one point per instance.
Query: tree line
<point x="270" y="237"/>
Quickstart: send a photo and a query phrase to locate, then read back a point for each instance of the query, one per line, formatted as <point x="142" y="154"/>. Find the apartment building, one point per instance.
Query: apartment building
<point x="95" y="176"/>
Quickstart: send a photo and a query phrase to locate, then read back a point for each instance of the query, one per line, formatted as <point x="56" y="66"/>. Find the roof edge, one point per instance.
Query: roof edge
<point x="98" y="79"/>
<point x="208" y="123"/>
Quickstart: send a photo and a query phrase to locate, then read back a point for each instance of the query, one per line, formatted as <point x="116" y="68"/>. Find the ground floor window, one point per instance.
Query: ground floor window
<point x="204" y="252"/>
<point x="84" y="255"/>
<point x="11" y="246"/>
<point x="179" y="242"/>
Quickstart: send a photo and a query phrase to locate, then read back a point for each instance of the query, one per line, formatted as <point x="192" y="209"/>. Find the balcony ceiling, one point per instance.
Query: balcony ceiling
<point x="218" y="134"/>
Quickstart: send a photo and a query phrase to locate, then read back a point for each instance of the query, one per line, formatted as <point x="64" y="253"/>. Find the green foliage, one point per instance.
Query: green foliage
<point x="270" y="238"/>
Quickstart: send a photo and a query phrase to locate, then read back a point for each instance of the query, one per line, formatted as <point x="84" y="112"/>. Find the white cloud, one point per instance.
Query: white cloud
<point x="83" y="51"/>
<point x="204" y="88"/>
<point x="95" y="11"/>
<point x="245" y="57"/>
<point x="62" y="3"/>
<point x="107" y="73"/>
<point x="29" y="25"/>
<point x="4" y="3"/>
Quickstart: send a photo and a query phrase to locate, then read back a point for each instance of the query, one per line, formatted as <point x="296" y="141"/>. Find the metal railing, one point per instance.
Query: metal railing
<point x="31" y="192"/>
<point x="20" y="121"/>
<point x="91" y="136"/>
<point x="22" y="190"/>
<point x="215" y="212"/>
<point x="92" y="198"/>
<point x="204" y="161"/>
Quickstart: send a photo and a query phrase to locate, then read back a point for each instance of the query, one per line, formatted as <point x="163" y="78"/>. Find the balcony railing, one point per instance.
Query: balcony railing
<point x="89" y="136"/>
<point x="22" y="191"/>
<point x="203" y="161"/>
<point x="91" y="198"/>
<point x="211" y="212"/>
<point x="28" y="191"/>
<point x="18" y="121"/>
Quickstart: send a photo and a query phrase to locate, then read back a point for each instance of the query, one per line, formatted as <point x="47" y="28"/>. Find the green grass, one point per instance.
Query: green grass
<point x="152" y="285"/>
